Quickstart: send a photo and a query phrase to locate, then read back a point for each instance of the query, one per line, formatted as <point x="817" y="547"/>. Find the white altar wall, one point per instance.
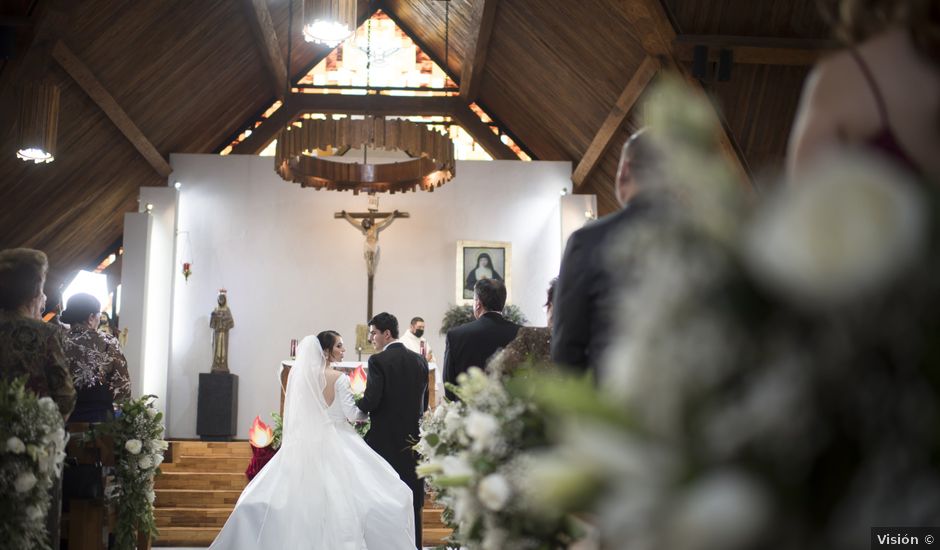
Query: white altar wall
<point x="291" y="269"/>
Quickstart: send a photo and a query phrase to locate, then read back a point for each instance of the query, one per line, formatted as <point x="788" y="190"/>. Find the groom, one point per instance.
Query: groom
<point x="396" y="396"/>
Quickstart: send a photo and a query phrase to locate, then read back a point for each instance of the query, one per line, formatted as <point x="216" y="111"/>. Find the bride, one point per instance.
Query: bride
<point x="325" y="489"/>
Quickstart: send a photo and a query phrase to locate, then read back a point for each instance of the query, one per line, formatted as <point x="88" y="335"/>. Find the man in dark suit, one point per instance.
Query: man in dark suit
<point x="396" y="396"/>
<point x="584" y="297"/>
<point x="472" y="344"/>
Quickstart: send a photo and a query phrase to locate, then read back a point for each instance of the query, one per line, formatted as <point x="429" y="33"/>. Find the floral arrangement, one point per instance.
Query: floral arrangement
<point x="468" y="451"/>
<point x="461" y="315"/>
<point x="261" y="438"/>
<point x="775" y="379"/>
<point x="138" y="452"/>
<point x="32" y="448"/>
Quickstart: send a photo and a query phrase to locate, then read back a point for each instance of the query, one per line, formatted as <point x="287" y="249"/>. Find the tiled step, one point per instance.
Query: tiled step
<point x="177" y="498"/>
<point x="201" y="481"/>
<point x="211" y="448"/>
<point x="222" y="465"/>
<point x="191" y="517"/>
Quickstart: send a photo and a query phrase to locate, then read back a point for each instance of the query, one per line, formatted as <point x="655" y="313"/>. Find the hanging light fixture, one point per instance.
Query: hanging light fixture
<point x="430" y="166"/>
<point x="37" y="122"/>
<point x="329" y="21"/>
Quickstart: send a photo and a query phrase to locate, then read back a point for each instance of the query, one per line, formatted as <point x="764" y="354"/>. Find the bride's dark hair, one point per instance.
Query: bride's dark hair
<point x="327" y="339"/>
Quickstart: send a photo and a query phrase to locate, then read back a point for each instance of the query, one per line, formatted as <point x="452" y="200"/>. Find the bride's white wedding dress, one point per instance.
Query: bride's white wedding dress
<point x="325" y="489"/>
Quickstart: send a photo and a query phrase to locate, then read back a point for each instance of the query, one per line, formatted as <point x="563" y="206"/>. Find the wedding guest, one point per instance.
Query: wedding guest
<point x="29" y="347"/>
<point x="472" y="344"/>
<point x="52" y="313"/>
<point x="882" y="92"/>
<point x="97" y="365"/>
<point x="584" y="297"/>
<point x="532" y="345"/>
<point x="414" y="339"/>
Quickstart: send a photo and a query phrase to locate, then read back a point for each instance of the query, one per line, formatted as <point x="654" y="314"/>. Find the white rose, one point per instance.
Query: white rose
<point x="16" y="446"/>
<point x="726" y="510"/>
<point x="24" y="482"/>
<point x="439" y="412"/>
<point x="133" y="446"/>
<point x="481" y="427"/>
<point x="33" y="512"/>
<point x="842" y="231"/>
<point x="157" y="459"/>
<point x="494" y="492"/>
<point x="151" y="496"/>
<point x="48" y="404"/>
<point x="145" y="462"/>
<point x="452" y="421"/>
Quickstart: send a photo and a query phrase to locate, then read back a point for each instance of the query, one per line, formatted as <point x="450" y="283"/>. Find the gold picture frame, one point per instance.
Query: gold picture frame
<point x="470" y="256"/>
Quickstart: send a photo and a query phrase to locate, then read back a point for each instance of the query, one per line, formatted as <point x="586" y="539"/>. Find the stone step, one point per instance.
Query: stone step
<point x="186" y="498"/>
<point x="205" y="464"/>
<point x="201" y="481"/>
<point x="191" y="517"/>
<point x="211" y="448"/>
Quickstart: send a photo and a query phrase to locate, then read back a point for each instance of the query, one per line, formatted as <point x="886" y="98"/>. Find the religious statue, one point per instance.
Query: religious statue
<point x="371" y="229"/>
<point x="221" y="322"/>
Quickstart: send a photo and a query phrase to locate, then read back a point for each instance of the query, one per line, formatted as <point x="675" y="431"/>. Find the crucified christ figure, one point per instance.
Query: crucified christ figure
<point x="371" y="230"/>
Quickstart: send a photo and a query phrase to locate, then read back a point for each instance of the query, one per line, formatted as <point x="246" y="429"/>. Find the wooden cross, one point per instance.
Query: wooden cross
<point x="371" y="223"/>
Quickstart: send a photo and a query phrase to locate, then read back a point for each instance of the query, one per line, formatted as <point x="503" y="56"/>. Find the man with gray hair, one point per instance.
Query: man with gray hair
<point x="584" y="297"/>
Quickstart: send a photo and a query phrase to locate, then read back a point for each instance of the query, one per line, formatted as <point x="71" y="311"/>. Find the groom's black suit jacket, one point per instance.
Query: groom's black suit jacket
<point x="396" y="396"/>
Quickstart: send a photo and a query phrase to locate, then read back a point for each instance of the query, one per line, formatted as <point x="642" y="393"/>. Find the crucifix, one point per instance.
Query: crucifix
<point x="371" y="223"/>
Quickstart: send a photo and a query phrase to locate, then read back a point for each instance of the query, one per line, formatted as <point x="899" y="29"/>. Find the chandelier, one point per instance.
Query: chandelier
<point x="432" y="163"/>
<point x="329" y="21"/>
<point x="37" y="122"/>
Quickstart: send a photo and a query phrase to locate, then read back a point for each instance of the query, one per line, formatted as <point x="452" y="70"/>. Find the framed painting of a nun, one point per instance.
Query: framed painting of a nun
<point x="482" y="260"/>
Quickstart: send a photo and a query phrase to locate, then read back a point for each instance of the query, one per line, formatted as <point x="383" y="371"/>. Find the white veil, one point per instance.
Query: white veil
<point x="300" y="499"/>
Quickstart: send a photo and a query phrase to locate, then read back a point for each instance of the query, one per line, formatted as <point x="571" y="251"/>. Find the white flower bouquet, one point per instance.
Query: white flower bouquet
<point x="32" y="448"/>
<point x="775" y="376"/>
<point x="139" y="448"/>
<point x="468" y="449"/>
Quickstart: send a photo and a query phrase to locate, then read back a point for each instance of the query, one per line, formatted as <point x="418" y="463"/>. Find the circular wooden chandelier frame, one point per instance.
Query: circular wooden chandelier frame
<point x="432" y="163"/>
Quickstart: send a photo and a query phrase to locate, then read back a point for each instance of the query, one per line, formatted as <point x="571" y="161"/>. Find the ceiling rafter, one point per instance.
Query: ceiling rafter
<point x="615" y="119"/>
<point x="482" y="133"/>
<point x="658" y="37"/>
<point x="483" y="20"/>
<point x="755" y="50"/>
<point x="262" y="26"/>
<point x="83" y="76"/>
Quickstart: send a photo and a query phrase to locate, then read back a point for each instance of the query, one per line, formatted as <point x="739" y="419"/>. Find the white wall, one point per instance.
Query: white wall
<point x="136" y="258"/>
<point x="291" y="269"/>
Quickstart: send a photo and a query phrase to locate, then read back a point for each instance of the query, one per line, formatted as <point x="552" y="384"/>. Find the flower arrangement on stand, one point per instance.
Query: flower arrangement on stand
<point x="138" y="452"/>
<point x="468" y="449"/>
<point x="32" y="448"/>
<point x="775" y="378"/>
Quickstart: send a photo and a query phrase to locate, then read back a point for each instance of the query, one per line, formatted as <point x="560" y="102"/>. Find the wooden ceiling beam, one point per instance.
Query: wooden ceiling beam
<point x="658" y="37"/>
<point x="83" y="76"/>
<point x="482" y="134"/>
<point x="378" y="105"/>
<point x="259" y="18"/>
<point x="754" y="50"/>
<point x="615" y="119"/>
<point x="471" y="73"/>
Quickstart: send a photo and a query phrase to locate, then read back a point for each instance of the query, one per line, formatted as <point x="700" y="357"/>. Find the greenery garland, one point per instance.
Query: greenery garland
<point x="32" y="448"/>
<point x="138" y="452"/>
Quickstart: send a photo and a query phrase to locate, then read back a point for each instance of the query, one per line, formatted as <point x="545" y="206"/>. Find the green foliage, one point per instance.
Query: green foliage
<point x="32" y="447"/>
<point x="461" y="315"/>
<point x="278" y="430"/>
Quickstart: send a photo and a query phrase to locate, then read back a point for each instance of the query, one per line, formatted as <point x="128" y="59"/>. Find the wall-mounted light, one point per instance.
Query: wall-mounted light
<point x="329" y="21"/>
<point x="177" y="185"/>
<point x="149" y="207"/>
<point x="37" y="122"/>
<point x="564" y="191"/>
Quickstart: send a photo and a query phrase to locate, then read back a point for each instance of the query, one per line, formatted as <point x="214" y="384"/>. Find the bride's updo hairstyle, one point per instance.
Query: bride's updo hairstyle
<point x="327" y="340"/>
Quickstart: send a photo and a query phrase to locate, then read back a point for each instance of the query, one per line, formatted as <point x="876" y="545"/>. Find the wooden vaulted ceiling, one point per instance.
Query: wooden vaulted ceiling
<point x="189" y="74"/>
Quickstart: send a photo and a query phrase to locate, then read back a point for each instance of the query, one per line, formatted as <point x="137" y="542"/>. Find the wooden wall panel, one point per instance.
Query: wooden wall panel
<point x="777" y="18"/>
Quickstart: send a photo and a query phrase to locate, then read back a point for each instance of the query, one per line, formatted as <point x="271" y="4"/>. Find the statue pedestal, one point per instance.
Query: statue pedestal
<point x="217" y="409"/>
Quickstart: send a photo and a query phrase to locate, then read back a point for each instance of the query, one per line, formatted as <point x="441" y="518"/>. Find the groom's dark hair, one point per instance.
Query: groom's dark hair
<point x="385" y="321"/>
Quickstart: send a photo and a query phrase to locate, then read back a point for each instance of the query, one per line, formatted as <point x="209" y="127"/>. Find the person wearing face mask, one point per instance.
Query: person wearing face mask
<point x="414" y="339"/>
